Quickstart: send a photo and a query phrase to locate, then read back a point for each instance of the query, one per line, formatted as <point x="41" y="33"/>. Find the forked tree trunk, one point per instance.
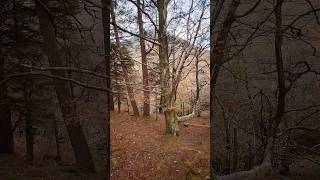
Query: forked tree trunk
<point x="6" y="133"/>
<point x="145" y="76"/>
<point x="123" y="65"/>
<point x="169" y="111"/>
<point x="74" y="129"/>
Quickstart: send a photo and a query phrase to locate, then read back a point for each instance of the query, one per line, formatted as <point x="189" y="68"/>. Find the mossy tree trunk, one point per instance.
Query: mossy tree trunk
<point x="172" y="126"/>
<point x="165" y="85"/>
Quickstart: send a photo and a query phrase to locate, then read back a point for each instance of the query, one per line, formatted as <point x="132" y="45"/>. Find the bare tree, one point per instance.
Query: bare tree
<point x="181" y="57"/>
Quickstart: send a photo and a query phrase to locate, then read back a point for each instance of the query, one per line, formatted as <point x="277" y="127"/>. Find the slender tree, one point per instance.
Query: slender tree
<point x="123" y="65"/>
<point x="145" y="77"/>
<point x="106" y="7"/>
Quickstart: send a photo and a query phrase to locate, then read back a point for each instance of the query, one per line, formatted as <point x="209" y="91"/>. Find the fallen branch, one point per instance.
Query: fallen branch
<point x="197" y="125"/>
<point x="186" y="117"/>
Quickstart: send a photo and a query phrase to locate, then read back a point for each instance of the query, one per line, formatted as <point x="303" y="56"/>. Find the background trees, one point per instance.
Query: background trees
<point x="45" y="50"/>
<point x="256" y="66"/>
<point x="58" y="80"/>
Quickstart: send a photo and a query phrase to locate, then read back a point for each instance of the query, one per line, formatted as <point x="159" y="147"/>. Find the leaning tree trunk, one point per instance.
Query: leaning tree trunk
<point x="76" y="134"/>
<point x="146" y="91"/>
<point x="123" y="65"/>
<point x="169" y="111"/>
<point x="6" y="133"/>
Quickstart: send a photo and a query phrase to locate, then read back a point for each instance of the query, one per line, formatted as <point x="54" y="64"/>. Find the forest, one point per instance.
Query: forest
<point x="160" y="89"/>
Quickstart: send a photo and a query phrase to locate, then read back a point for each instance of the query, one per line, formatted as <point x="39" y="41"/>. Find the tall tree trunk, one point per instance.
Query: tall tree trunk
<point x="280" y="69"/>
<point x="76" y="134"/>
<point x="119" y="102"/>
<point x="28" y="125"/>
<point x="145" y="76"/>
<point x="169" y="111"/>
<point x="111" y="101"/>
<point x="123" y="65"/>
<point x="161" y="104"/>
<point x="6" y="133"/>
<point x="197" y="100"/>
<point x="128" y="105"/>
<point x="57" y="139"/>
<point x="106" y="4"/>
<point x="281" y="80"/>
<point x="216" y="59"/>
<point x="235" y="151"/>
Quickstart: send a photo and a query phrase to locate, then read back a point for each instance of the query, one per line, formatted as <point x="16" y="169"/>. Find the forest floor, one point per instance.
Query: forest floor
<point x="141" y="150"/>
<point x="13" y="167"/>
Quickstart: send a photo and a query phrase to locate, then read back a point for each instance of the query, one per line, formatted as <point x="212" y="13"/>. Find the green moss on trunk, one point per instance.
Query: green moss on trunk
<point x="172" y="126"/>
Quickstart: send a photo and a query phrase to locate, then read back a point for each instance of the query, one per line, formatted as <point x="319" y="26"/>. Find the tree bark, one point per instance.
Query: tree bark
<point x="76" y="134"/>
<point x="28" y="126"/>
<point x="169" y="111"/>
<point x="216" y="59"/>
<point x="119" y="102"/>
<point x="145" y="76"/>
<point x="197" y="100"/>
<point x="111" y="104"/>
<point x="123" y="65"/>
<point x="280" y="69"/>
<point x="235" y="150"/>
<point x="106" y="4"/>
<point x="6" y="133"/>
<point x="57" y="138"/>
